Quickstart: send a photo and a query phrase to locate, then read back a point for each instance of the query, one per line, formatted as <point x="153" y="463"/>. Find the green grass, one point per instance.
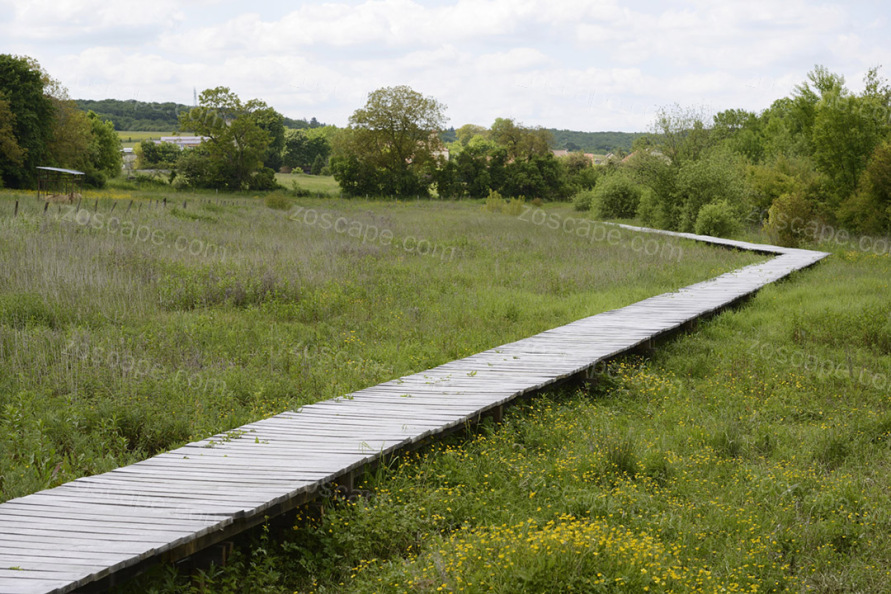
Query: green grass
<point x="127" y="332"/>
<point x="751" y="455"/>
<point x="324" y="185"/>
<point x="727" y="462"/>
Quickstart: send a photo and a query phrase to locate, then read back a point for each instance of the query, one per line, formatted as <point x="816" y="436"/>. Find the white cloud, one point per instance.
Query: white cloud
<point x="514" y="60"/>
<point x="73" y="21"/>
<point x="587" y="64"/>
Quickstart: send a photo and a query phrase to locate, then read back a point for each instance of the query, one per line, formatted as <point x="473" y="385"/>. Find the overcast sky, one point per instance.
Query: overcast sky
<point x="578" y="64"/>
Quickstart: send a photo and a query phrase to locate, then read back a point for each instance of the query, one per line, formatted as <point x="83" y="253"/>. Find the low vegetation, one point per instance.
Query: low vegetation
<point x="749" y="456"/>
<point x="147" y="319"/>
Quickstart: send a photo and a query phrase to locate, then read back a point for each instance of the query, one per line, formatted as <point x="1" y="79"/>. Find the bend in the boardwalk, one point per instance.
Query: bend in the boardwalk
<point x="174" y="504"/>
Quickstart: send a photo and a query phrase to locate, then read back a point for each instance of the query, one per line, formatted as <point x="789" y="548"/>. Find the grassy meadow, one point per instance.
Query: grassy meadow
<point x="753" y="455"/>
<point x="144" y="319"/>
<point x="316" y="185"/>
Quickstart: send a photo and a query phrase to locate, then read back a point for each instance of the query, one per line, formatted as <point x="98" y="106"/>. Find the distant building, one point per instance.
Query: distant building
<point x="183" y="142"/>
<point x="128" y="158"/>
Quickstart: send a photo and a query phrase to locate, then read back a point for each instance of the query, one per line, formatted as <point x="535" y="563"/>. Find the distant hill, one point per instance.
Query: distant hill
<point x="594" y="142"/>
<point x="301" y="124"/>
<point x="154" y="117"/>
<point x="590" y="142"/>
<point x="162" y="117"/>
<point x="136" y="115"/>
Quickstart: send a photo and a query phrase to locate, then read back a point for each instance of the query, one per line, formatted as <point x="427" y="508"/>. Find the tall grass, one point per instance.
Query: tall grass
<point x="729" y="461"/>
<point x="141" y="323"/>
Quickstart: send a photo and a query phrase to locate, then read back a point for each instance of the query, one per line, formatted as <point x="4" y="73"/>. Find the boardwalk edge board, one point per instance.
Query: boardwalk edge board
<point x="80" y="534"/>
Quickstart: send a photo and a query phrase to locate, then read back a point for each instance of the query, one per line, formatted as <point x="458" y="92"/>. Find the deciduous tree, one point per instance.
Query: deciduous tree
<point x="521" y="143"/>
<point x="105" y="146"/>
<point x="273" y="123"/>
<point x="22" y="84"/>
<point x="10" y="151"/>
<point x="236" y="143"/>
<point x="303" y="147"/>
<point x="395" y="135"/>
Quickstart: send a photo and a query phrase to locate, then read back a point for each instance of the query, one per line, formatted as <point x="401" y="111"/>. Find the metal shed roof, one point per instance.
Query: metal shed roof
<point x="71" y="171"/>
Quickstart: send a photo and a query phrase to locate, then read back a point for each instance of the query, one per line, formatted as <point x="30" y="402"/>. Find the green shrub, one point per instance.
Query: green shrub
<point x="862" y="213"/>
<point x="586" y="179"/>
<point x="298" y="190"/>
<point x="94" y="178"/>
<point x="264" y="179"/>
<point x="277" y="201"/>
<point x="651" y="211"/>
<point x="717" y="219"/>
<point x="716" y="177"/>
<point x="317" y="165"/>
<point x="181" y="182"/>
<point x="143" y="179"/>
<point x="617" y="197"/>
<point x="769" y="181"/>
<point x="868" y="210"/>
<point x="788" y="219"/>
<point x="496" y="203"/>
<point x="583" y="201"/>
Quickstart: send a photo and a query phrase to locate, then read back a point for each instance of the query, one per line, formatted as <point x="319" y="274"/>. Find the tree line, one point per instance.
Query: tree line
<point x="575" y="140"/>
<point x="151" y="116"/>
<point x="136" y="115"/>
<point x="821" y="155"/>
<point x="594" y="142"/>
<point x="245" y="144"/>
<point x="393" y="147"/>
<point x="41" y="126"/>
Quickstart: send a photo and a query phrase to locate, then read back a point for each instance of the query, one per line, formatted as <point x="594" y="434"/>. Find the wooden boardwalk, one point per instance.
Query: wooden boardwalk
<point x="97" y="530"/>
